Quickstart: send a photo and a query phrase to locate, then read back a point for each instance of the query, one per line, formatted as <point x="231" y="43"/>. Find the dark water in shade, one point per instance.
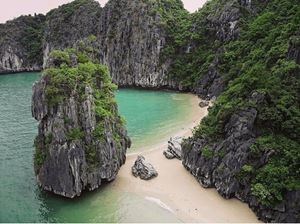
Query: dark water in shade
<point x="149" y="114"/>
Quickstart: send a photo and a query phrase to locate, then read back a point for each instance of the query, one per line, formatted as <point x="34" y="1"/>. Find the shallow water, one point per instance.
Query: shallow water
<point x="150" y="116"/>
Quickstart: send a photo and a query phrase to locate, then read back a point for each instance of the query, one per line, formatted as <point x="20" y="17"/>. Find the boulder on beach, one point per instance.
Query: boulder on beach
<point x="204" y="103"/>
<point x="168" y="154"/>
<point x="174" y="148"/>
<point x="143" y="169"/>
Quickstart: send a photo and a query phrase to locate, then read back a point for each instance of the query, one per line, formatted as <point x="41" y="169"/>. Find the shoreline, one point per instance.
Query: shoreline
<point x="183" y="129"/>
<point x="175" y="189"/>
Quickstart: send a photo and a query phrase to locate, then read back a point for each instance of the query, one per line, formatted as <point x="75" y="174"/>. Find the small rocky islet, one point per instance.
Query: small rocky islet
<point x="82" y="140"/>
<point x="244" y="55"/>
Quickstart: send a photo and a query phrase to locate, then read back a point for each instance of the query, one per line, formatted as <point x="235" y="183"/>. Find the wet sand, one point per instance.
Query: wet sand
<point x="175" y="189"/>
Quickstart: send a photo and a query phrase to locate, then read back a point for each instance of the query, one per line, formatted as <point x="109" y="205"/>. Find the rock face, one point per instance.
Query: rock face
<point x="221" y="172"/>
<point x="223" y="26"/>
<point x="174" y="148"/>
<point x="225" y="22"/>
<point x="131" y="40"/>
<point x="68" y="24"/>
<point x="129" y="34"/>
<point x="76" y="148"/>
<point x="221" y="164"/>
<point x="212" y="84"/>
<point x="143" y="169"/>
<point x="129" y="37"/>
<point x="20" y="44"/>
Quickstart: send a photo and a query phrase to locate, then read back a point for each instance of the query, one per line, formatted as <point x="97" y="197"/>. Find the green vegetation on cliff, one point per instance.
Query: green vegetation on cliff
<point x="282" y="171"/>
<point x="32" y="38"/>
<point x="185" y="31"/>
<point x="26" y="35"/>
<point x="258" y="62"/>
<point x="39" y="154"/>
<point x="252" y="48"/>
<point x="176" y="22"/>
<point x="73" y="75"/>
<point x="68" y="10"/>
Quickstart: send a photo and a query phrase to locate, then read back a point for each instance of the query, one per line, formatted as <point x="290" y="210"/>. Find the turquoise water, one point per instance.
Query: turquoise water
<point x="150" y="115"/>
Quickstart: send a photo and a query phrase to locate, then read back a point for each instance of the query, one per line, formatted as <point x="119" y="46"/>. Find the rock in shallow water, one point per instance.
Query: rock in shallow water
<point x="143" y="169"/>
<point x="174" y="148"/>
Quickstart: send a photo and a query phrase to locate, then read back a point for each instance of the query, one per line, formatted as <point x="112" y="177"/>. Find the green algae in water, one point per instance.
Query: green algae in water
<point x="149" y="114"/>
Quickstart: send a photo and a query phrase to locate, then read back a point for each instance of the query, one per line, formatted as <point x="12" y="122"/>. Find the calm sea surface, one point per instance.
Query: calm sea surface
<point x="150" y="115"/>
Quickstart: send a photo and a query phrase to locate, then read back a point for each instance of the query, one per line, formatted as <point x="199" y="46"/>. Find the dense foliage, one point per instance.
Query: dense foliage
<point x="258" y="61"/>
<point x="68" y="10"/>
<point x="191" y="43"/>
<point x="281" y="173"/>
<point x="25" y="34"/>
<point x="32" y="38"/>
<point x="175" y="21"/>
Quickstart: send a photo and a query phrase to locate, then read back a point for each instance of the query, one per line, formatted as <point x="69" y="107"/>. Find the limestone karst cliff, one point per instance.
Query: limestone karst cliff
<point x="68" y="24"/>
<point x="245" y="52"/>
<point x="21" y="44"/>
<point x="130" y="37"/>
<point x="81" y="139"/>
<point x="248" y="146"/>
<point x="131" y="40"/>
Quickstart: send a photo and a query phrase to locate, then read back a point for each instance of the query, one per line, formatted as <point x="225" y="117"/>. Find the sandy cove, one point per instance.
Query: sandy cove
<point x="176" y="188"/>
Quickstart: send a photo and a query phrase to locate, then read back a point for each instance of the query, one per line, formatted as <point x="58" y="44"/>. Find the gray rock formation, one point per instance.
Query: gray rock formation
<point x="204" y="103"/>
<point x="220" y="164"/>
<point x="72" y="154"/>
<point x="221" y="171"/>
<point x="143" y="169"/>
<point x="131" y="41"/>
<point x="168" y="154"/>
<point x="130" y="37"/>
<point x="69" y="24"/>
<point x="212" y="84"/>
<point x="225" y="22"/>
<point x="174" y="148"/>
<point x="20" y="44"/>
<point x="222" y="25"/>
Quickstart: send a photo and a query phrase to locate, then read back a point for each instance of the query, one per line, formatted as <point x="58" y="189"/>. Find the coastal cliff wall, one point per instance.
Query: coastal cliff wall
<point x="69" y="24"/>
<point x="20" y="44"/>
<point x="130" y="36"/>
<point x="242" y="54"/>
<point x="131" y="40"/>
<point x="248" y="145"/>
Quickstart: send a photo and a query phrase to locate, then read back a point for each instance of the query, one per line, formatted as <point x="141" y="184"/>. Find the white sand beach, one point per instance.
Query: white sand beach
<point x="176" y="189"/>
